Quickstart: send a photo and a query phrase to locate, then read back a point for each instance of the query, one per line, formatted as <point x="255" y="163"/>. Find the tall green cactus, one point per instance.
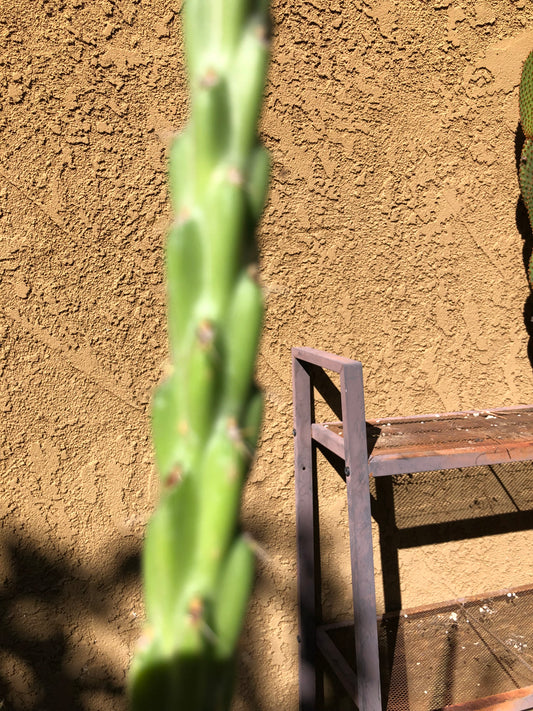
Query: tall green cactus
<point x="197" y="566"/>
<point x="526" y="158"/>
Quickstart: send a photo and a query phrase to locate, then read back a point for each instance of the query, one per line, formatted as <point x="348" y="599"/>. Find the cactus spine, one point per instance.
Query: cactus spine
<point x="197" y="567"/>
<point x="526" y="158"/>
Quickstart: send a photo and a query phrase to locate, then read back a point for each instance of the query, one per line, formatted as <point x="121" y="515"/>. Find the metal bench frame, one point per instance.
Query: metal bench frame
<point x="309" y="372"/>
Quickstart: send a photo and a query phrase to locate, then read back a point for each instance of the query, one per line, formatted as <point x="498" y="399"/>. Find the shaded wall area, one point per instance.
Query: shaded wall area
<point x="66" y="627"/>
<point x="390" y="235"/>
<point x="91" y="94"/>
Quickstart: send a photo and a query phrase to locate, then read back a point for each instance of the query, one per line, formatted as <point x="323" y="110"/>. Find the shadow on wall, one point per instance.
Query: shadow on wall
<point x="66" y="630"/>
<point x="524" y="227"/>
<point x="64" y="637"/>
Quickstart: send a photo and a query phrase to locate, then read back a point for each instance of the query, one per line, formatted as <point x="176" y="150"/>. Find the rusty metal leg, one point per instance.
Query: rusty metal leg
<point x="362" y="558"/>
<point x="310" y="676"/>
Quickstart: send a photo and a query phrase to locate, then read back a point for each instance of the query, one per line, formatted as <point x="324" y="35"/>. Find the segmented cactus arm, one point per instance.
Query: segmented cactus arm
<point x="197" y="567"/>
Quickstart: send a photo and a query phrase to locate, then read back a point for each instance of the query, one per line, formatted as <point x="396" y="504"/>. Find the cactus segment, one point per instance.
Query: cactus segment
<point x="210" y="123"/>
<point x="184" y="263"/>
<point x="526" y="175"/>
<point x="202" y="384"/>
<point x="526" y="97"/>
<point x="168" y="558"/>
<point x="153" y="688"/>
<point x="233" y="21"/>
<point x="149" y="681"/>
<point x="221" y="475"/>
<point x="251" y="422"/>
<point x="224" y="228"/>
<point x="197" y="31"/>
<point x="526" y="187"/>
<point x="247" y="89"/>
<point x="181" y="173"/>
<point x="165" y="414"/>
<point x="243" y="330"/>
<point x="234" y="589"/>
<point x="257" y="186"/>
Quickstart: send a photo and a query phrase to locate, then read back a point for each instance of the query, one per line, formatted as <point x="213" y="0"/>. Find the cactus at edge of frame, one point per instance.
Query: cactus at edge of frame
<point x="197" y="565"/>
<point x="526" y="158"/>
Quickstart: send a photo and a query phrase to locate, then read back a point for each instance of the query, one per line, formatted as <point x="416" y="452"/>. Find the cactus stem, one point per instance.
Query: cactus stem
<point x="198" y="570"/>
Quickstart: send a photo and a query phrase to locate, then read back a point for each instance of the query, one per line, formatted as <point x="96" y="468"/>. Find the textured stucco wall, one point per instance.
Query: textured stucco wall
<point x="390" y="235"/>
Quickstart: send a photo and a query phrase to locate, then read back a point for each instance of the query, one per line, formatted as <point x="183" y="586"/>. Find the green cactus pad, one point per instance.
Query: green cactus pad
<point x="526" y="175"/>
<point x="526" y="97"/>
<point x="526" y="187"/>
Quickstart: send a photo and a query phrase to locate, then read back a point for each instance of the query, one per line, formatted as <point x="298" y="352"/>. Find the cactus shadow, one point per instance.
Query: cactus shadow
<point x="51" y="610"/>
<point x="524" y="227"/>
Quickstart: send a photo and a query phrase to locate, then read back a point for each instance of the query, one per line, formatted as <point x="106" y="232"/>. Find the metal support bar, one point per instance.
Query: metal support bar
<point x="321" y="358"/>
<point x="309" y="599"/>
<point x="368" y="696"/>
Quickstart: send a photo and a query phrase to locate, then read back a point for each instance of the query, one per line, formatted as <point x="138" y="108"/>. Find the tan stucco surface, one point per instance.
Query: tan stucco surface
<point x="390" y="235"/>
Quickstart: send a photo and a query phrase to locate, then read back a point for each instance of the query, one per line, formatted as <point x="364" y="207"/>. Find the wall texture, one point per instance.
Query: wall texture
<point x="393" y="234"/>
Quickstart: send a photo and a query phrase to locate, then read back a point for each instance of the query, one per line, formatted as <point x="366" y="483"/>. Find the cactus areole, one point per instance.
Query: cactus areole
<point x="197" y="565"/>
<point x="526" y="158"/>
